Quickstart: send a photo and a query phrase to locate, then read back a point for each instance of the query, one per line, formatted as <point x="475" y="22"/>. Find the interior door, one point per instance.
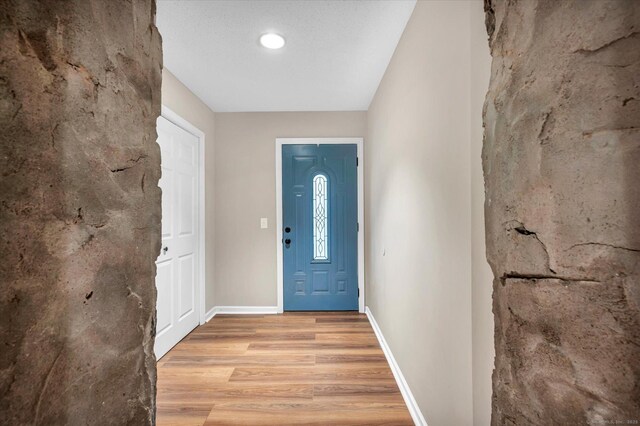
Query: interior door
<point x="320" y="227"/>
<point x="177" y="271"/>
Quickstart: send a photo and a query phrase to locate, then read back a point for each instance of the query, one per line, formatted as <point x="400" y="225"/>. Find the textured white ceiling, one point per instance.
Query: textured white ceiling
<point x="334" y="59"/>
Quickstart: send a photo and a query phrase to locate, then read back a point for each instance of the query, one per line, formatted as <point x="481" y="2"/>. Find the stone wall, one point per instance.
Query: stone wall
<point x="79" y="211"/>
<point x="561" y="161"/>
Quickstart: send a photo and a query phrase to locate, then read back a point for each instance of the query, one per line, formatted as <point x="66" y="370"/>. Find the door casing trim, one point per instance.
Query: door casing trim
<point x="319" y="141"/>
<point x="176" y="119"/>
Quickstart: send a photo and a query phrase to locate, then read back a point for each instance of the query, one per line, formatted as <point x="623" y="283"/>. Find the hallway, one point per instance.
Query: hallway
<point x="295" y="368"/>
<point x="320" y="212"/>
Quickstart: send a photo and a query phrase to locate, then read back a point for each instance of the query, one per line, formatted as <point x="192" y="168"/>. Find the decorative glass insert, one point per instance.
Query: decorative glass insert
<point x="320" y="219"/>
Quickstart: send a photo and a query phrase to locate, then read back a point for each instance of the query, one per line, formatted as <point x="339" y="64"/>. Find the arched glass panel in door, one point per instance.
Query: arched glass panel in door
<point x="320" y="218"/>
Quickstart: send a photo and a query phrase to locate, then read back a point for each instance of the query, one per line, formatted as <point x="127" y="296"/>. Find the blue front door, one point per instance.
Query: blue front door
<point x="320" y="227"/>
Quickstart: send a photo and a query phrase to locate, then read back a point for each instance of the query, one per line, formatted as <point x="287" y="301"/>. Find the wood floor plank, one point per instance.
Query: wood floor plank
<point x="302" y="368"/>
<point x="321" y="320"/>
<point x="280" y="325"/>
<point x="253" y="337"/>
<point x="360" y="393"/>
<point x="347" y="337"/>
<point x="324" y="329"/>
<point x="303" y="346"/>
<point x="243" y="392"/>
<point x="310" y="414"/>
<point x="182" y="414"/>
<point x="316" y="374"/>
<point x="330" y="358"/>
<point x="244" y="360"/>
<point x="208" y="348"/>
<point x="171" y="376"/>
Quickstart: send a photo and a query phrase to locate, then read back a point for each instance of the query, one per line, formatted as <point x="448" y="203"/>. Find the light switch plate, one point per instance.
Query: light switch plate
<point x="263" y="223"/>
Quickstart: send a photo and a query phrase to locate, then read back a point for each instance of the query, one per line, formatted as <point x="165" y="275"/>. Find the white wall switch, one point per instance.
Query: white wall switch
<point x="263" y="223"/>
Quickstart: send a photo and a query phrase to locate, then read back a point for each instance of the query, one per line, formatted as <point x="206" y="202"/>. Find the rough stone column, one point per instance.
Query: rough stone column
<point x="79" y="211"/>
<point x="561" y="162"/>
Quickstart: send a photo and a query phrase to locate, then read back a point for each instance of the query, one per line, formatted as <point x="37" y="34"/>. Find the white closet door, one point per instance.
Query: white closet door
<point x="177" y="273"/>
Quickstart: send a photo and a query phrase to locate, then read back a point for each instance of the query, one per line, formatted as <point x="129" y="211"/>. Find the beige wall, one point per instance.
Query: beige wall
<point x="481" y="276"/>
<point x="423" y="129"/>
<point x="245" y="192"/>
<point x="178" y="98"/>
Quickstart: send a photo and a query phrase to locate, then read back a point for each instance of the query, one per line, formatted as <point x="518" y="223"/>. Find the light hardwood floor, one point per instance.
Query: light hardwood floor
<point x="320" y="368"/>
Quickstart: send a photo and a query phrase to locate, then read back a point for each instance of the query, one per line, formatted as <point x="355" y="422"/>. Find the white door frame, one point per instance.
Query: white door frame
<point x="318" y="141"/>
<point x="171" y="116"/>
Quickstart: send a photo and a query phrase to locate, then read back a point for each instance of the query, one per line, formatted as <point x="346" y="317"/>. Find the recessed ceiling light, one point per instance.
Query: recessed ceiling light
<point x="272" y="41"/>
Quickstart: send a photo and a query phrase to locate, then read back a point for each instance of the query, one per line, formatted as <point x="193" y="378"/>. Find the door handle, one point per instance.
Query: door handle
<point x="287" y="241"/>
<point x="165" y="250"/>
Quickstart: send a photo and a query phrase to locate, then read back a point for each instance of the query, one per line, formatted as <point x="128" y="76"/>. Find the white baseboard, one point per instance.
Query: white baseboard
<point x="241" y="310"/>
<point x="210" y="314"/>
<point x="412" y="405"/>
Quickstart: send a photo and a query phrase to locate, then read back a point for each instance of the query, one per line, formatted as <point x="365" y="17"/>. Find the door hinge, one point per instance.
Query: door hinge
<point x="357" y="161"/>
<point x="358" y="226"/>
<point x="358" y="292"/>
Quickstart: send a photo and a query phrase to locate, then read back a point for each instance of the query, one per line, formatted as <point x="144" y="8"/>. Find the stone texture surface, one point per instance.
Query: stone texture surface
<point x="79" y="211"/>
<point x="561" y="161"/>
